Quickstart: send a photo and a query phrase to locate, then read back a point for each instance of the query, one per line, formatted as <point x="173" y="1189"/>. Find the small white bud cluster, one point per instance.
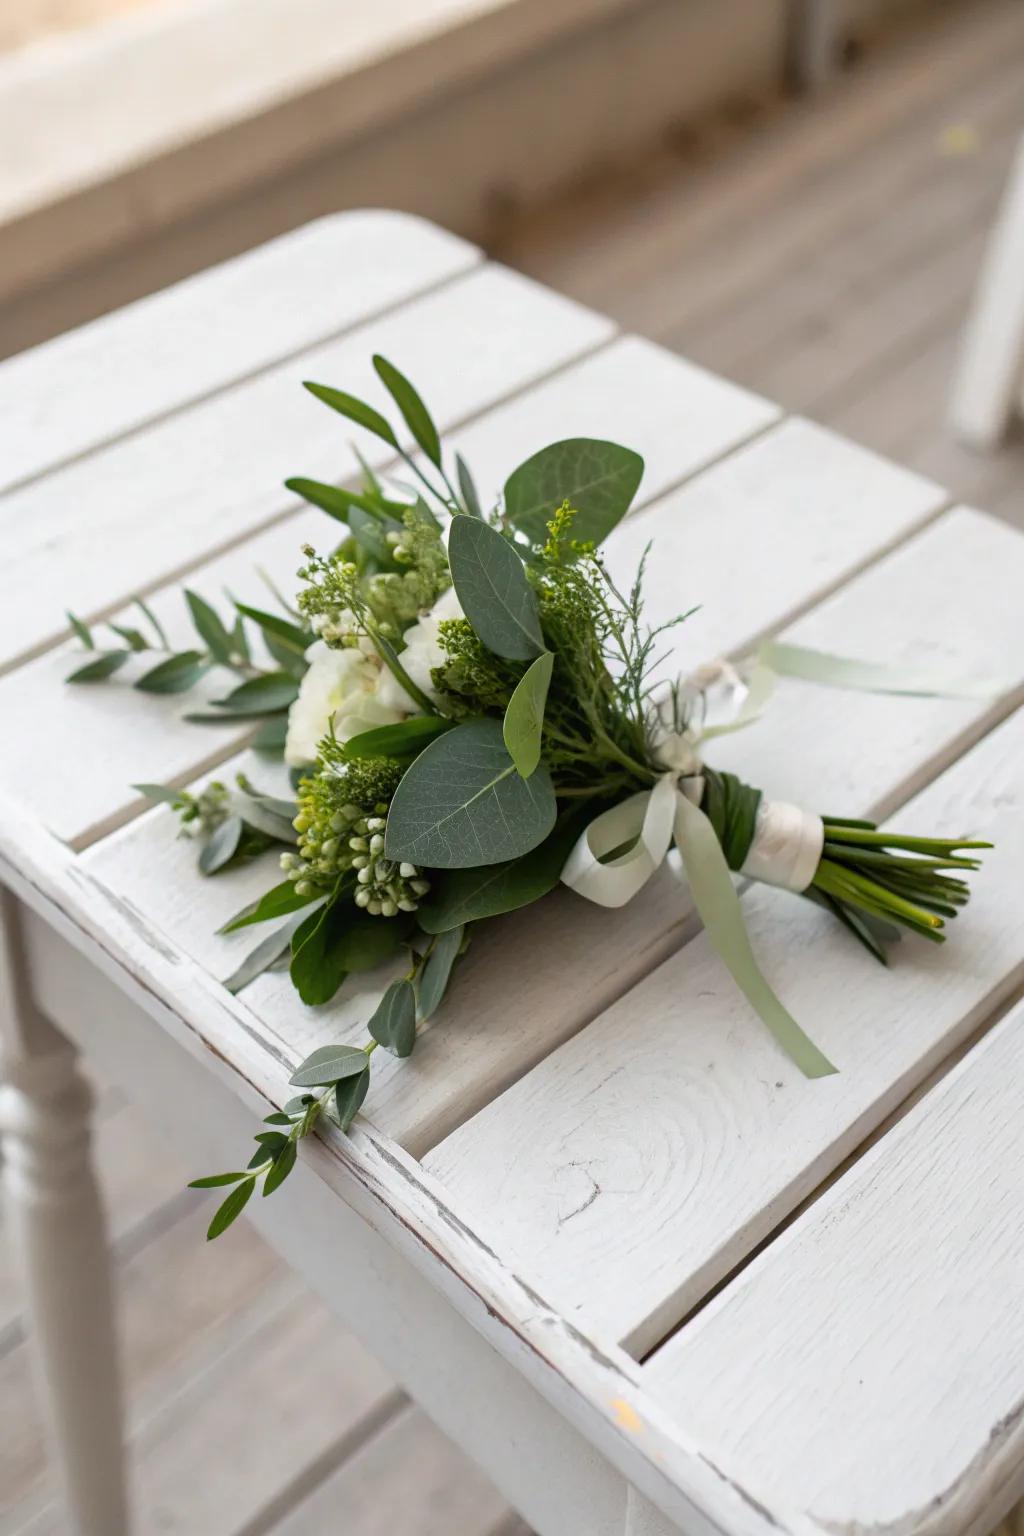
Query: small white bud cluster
<point x="384" y="886"/>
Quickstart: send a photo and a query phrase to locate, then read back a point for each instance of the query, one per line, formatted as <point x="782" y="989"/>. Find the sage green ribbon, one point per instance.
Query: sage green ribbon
<point x="876" y="676"/>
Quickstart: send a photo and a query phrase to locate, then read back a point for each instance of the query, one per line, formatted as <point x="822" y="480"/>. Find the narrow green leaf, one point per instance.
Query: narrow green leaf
<point x="348" y="1097"/>
<point x="95" y="671"/>
<point x="293" y="635"/>
<point x="233" y="1207"/>
<point x="160" y="794"/>
<point x="283" y="1166"/>
<point x="279" y="901"/>
<point x="492" y="585"/>
<point x="272" y="1141"/>
<point x="318" y="967"/>
<point x="367" y="942"/>
<point x="221" y="846"/>
<point x="405" y="739"/>
<point x="356" y="410"/>
<point x="523" y="725"/>
<point x="260" y="695"/>
<point x="415" y="414"/>
<point x="298" y="1105"/>
<point x="154" y="622"/>
<point x="217" y="1180"/>
<point x="438" y="969"/>
<point x="277" y="1118"/>
<point x="467" y="486"/>
<point x="393" y="1024"/>
<point x="466" y="895"/>
<point x="327" y="1064"/>
<point x="270" y="735"/>
<point x="262" y="957"/>
<point x="598" y="478"/>
<point x="81" y="630"/>
<point x="462" y="804"/>
<point x="131" y="637"/>
<point x="209" y="626"/>
<point x="177" y="674"/>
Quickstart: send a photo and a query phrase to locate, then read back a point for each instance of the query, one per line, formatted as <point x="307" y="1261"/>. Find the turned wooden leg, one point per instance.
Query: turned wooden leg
<point x="56" y="1219"/>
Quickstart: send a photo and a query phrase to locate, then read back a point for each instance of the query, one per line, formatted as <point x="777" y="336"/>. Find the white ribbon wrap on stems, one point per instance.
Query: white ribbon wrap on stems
<point x="785" y="850"/>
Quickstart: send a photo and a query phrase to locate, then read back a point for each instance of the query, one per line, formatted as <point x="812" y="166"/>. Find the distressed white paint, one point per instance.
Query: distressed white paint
<point x="166" y="351"/>
<point x="867" y="1369"/>
<point x="658" y="1146"/>
<point x="128" y="517"/>
<point x="53" y="1205"/>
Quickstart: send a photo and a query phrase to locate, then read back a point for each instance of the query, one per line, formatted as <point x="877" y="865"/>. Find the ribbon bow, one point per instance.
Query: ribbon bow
<point x="785" y="848"/>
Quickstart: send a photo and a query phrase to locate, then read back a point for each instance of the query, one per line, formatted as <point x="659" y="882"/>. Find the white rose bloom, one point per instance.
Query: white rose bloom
<point x="341" y="685"/>
<point x="423" y="648"/>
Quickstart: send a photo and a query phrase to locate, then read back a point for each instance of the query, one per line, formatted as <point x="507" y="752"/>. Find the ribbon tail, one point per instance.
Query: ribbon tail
<point x="719" y="909"/>
<point x="876" y="677"/>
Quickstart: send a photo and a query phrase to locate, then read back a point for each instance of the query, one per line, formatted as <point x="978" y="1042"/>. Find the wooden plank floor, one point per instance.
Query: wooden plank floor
<point x="821" y="252"/>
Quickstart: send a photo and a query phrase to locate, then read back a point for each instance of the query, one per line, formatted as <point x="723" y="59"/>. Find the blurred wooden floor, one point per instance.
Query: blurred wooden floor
<point x="822" y="252"/>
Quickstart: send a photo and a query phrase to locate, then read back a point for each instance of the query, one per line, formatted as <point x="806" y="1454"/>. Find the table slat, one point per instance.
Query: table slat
<point x="133" y="515"/>
<point x="107" y="378"/>
<point x="663" y="1141"/>
<point x="866" y="1368"/>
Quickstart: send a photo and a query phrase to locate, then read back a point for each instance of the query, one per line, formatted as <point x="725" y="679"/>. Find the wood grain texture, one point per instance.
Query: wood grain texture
<point x="658" y="1146"/>
<point x="866" y="1369"/>
<point x="103" y="380"/>
<point x="178" y="491"/>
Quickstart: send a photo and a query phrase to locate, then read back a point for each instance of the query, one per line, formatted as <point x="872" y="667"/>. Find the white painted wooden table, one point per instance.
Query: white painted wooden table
<point x="596" y="1136"/>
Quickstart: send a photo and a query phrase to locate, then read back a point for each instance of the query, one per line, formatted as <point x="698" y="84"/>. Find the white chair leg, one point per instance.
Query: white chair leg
<point x="56" y="1220"/>
<point x="990" y="377"/>
<point x="811" y="43"/>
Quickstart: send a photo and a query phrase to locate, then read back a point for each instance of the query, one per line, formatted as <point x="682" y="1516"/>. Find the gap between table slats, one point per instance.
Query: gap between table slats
<point x="657" y="1145"/>
<point x="83" y="391"/>
<point x="503" y="1017"/>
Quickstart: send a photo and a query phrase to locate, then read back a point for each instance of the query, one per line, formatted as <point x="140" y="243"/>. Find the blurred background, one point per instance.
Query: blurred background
<point x="796" y="193"/>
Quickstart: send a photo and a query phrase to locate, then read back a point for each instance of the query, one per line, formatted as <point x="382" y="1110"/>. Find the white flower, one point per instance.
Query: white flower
<point x="423" y="648"/>
<point x="341" y="686"/>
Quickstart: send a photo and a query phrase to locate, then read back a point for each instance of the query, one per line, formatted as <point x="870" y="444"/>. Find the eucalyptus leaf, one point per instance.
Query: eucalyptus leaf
<point x="467" y="486"/>
<point x="317" y="969"/>
<point x="438" y="969"/>
<point x="292" y="635"/>
<point x="83" y="631"/>
<point x="405" y="739"/>
<point x="271" y="735"/>
<point x="288" y="659"/>
<point x="233" y="1206"/>
<point x="466" y="895"/>
<point x="283" y="1165"/>
<point x="279" y="901"/>
<point x="598" y="478"/>
<point x="356" y="410"/>
<point x="492" y="585"/>
<point x="221" y="846"/>
<point x="263" y="956"/>
<point x="134" y="640"/>
<point x="462" y="804"/>
<point x="348" y="1097"/>
<point x="209" y="626"/>
<point x="415" y="414"/>
<point x="262" y="816"/>
<point x="327" y="1064"/>
<point x="177" y="674"/>
<point x="523" y="725"/>
<point x="393" y="1023"/>
<point x="260" y="695"/>
<point x="367" y="942"/>
<point x="102" y="666"/>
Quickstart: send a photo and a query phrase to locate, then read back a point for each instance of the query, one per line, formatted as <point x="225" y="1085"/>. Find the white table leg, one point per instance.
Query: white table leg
<point x="57" y="1222"/>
